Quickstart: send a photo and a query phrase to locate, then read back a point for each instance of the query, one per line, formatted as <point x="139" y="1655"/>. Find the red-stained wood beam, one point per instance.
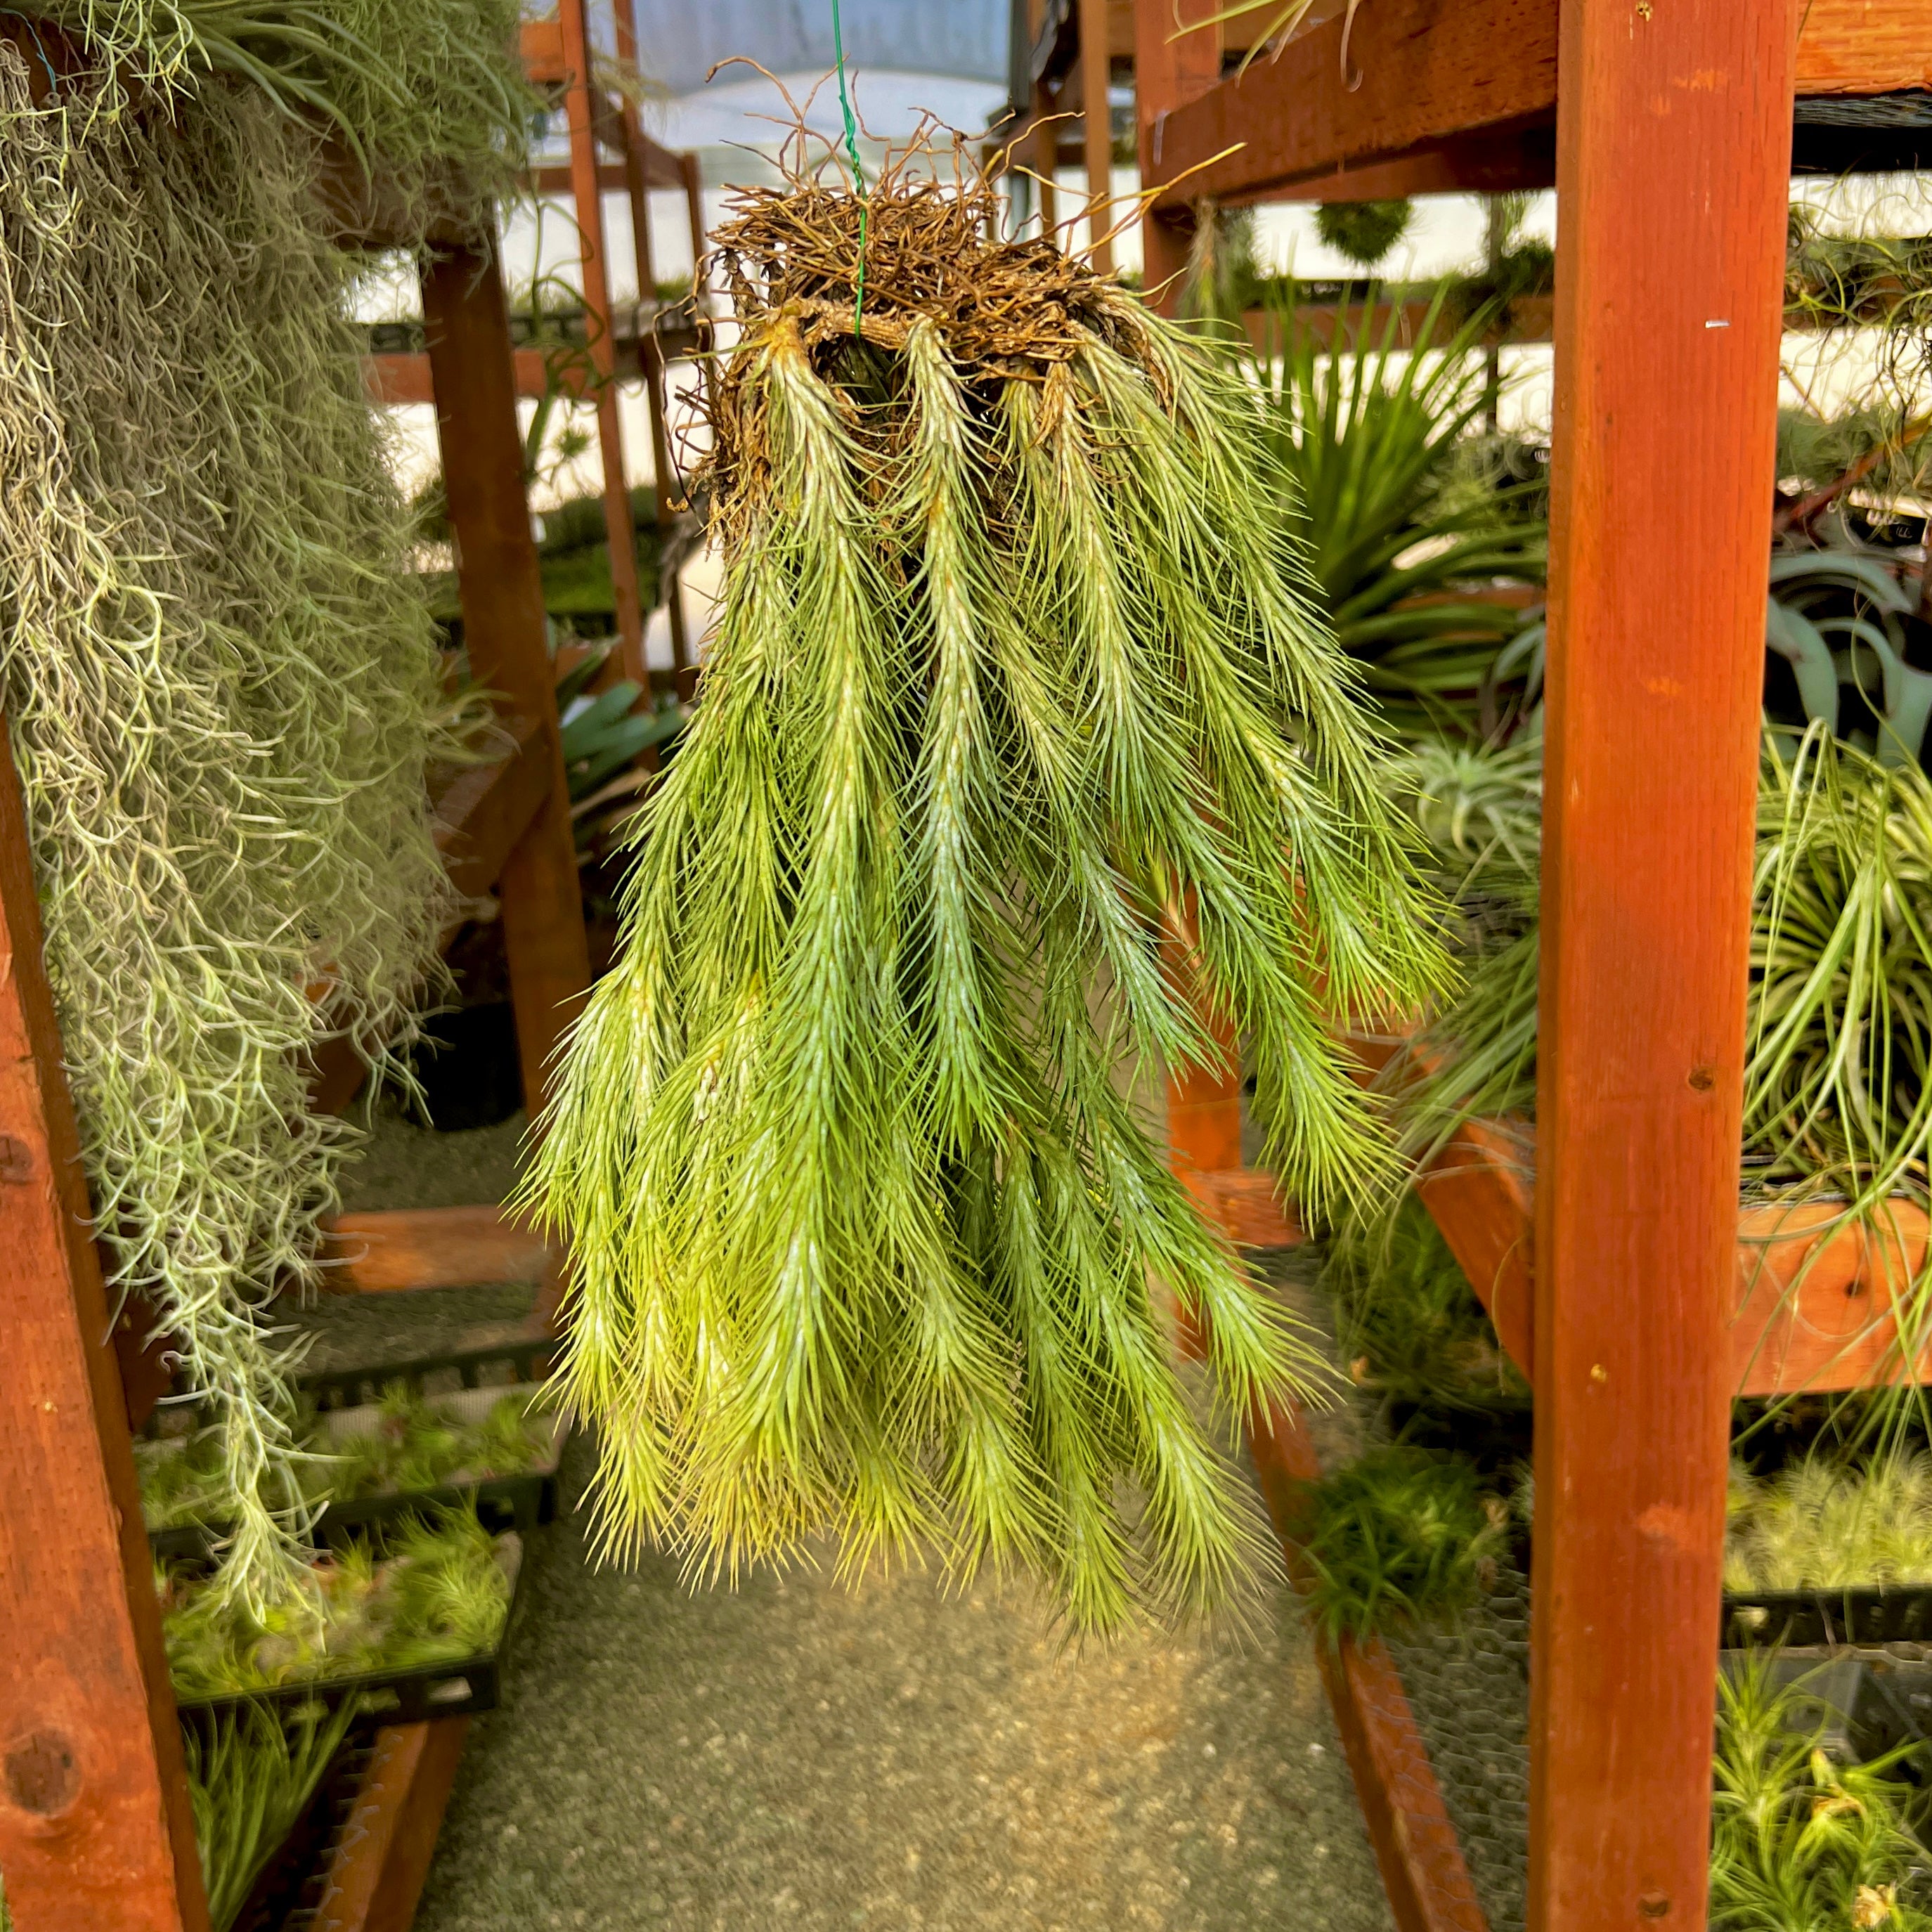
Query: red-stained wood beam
<point x="401" y="1249"/>
<point x="96" y="1832"/>
<point x="467" y="327"/>
<point x="1674" y="148"/>
<point x="587" y="194"/>
<point x="1455" y="94"/>
<point x="1170" y="69"/>
<point x="1096" y="132"/>
<point x="1420" y="1858"/>
<point x="376" y="1876"/>
<point x="541" y="44"/>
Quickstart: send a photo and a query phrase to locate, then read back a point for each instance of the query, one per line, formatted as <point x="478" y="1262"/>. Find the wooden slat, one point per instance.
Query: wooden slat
<point x="1435" y="73"/>
<point x="481" y="812"/>
<point x="1096" y="130"/>
<point x="399" y="1250"/>
<point x="661" y="166"/>
<point x="1673" y="165"/>
<point x="96" y="1833"/>
<point x="1246" y="1204"/>
<point x="1430" y="69"/>
<point x="467" y="327"/>
<point x="1169" y="71"/>
<point x="484" y="810"/>
<point x="619" y="526"/>
<point x="541" y="43"/>
<point x="1420" y="1858"/>
<point x="376" y="1876"/>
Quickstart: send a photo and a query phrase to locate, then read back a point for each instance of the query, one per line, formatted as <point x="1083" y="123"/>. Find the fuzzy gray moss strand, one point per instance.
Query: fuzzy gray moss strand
<point x="219" y="692"/>
<point x="864" y="1209"/>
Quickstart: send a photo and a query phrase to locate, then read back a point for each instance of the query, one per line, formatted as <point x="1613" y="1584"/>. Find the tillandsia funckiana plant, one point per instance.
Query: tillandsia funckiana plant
<point x="1400" y="1537"/>
<point x="434" y="1591"/>
<point x="251" y="1774"/>
<point x="1799" y="1841"/>
<point x="219" y="688"/>
<point x="1015" y="663"/>
<point x="1830" y="1522"/>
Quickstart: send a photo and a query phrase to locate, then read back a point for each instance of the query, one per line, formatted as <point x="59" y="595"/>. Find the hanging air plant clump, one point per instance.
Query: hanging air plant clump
<point x="1014" y="669"/>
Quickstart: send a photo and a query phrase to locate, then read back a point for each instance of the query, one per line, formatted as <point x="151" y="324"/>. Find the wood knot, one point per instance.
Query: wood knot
<point x="1653" y="1905"/>
<point x="16" y="1161"/>
<point x="41" y="1774"/>
<point x="1703" y="1079"/>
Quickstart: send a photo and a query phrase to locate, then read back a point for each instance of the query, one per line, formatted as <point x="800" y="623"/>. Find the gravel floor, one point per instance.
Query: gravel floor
<point x="792" y="1754"/>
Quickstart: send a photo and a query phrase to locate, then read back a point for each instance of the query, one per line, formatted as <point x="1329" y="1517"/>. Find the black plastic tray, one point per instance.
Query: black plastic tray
<point x="1805" y="1618"/>
<point x="524" y="1503"/>
<point x="459" y="1688"/>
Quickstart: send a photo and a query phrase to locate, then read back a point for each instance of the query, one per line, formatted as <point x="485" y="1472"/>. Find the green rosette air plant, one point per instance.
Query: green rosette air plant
<point x="1016" y="666"/>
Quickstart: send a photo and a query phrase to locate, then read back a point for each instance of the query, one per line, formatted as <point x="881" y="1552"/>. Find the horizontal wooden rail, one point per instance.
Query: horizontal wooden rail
<point x="1816" y="1295"/>
<point x="1452" y="94"/>
<point x="396" y="377"/>
<point x="403" y="1248"/>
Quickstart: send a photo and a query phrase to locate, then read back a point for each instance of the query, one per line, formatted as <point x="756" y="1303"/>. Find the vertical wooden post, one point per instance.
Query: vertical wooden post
<point x="466" y="324"/>
<point x="1674" y="144"/>
<point x="694" y="209"/>
<point x="619" y="526"/>
<point x="1096" y="123"/>
<point x="96" y="1834"/>
<point x="638" y="192"/>
<point x="1045" y="144"/>
<point x="1170" y="68"/>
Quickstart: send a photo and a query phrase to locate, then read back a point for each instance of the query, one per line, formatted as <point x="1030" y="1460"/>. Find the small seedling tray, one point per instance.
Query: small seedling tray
<point x="523" y="1502"/>
<point x="459" y="1688"/>
<point x="1809" y="1619"/>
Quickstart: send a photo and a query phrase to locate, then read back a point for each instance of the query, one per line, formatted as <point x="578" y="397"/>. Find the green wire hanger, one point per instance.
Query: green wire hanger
<point x="858" y="171"/>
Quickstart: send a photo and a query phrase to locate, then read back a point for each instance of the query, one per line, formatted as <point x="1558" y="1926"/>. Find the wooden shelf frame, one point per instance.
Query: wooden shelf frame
<point x="96" y="1832"/>
<point x="1624" y="1277"/>
<point x="1454" y="95"/>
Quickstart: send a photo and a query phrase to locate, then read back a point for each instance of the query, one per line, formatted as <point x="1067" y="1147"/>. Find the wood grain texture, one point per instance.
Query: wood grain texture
<point x="396" y="1250"/>
<point x="375" y="1875"/>
<point x="1170" y="70"/>
<point x="1673" y="161"/>
<point x="96" y="1834"/>
<point x="1430" y="69"/>
<point x="1420" y="1858"/>
<point x="1097" y="132"/>
<point x="587" y="194"/>
<point x="467" y="329"/>
<point x="1460" y="95"/>
<point x="1246" y="1204"/>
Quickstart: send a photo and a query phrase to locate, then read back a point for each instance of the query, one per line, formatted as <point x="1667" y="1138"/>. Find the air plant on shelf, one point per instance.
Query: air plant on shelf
<point x="1400" y="1538"/>
<point x="1829" y="1522"/>
<point x="252" y="1773"/>
<point x="1838" y="1064"/>
<point x="1799" y="1840"/>
<point x="417" y="1444"/>
<point x="1015" y="666"/>
<point x="437" y="1590"/>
